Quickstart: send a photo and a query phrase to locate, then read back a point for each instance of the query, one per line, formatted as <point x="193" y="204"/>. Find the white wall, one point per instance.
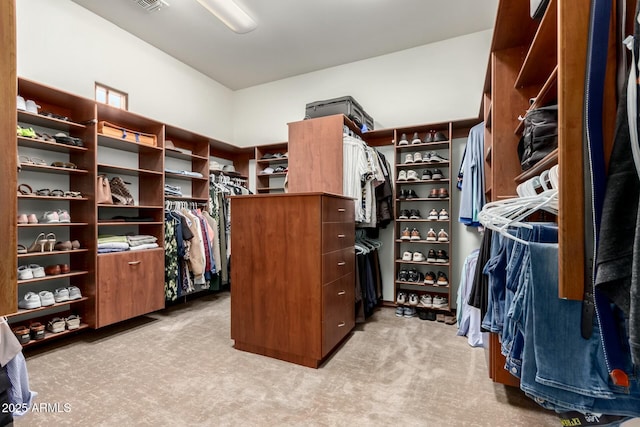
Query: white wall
<point x="66" y="46"/>
<point x="432" y="83"/>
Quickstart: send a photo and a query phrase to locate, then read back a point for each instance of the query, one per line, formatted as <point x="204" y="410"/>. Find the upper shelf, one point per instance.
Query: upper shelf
<point x="547" y="94"/>
<point x="120" y="144"/>
<point x="48" y="122"/>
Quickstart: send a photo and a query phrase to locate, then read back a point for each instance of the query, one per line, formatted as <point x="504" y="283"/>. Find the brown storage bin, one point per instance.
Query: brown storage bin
<point x="120" y="132"/>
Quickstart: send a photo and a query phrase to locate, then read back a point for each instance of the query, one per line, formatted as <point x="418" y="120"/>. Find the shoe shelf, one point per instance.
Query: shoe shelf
<point x="185" y="177"/>
<point x="50" y="253"/>
<point x="53" y="224"/>
<point x="103" y="205"/>
<point x="50" y="335"/>
<point x="429" y="242"/>
<point x="422" y="220"/>
<point x="422" y="284"/>
<point x="52" y="169"/>
<point x="48" y="122"/>
<point x="423" y="199"/>
<point x="22" y="311"/>
<point x="435" y="264"/>
<point x="272" y="174"/>
<point x="422" y="165"/>
<point x="269" y="161"/>
<point x="120" y="170"/>
<point x="423" y="145"/>
<point x="109" y="223"/>
<point x="132" y="147"/>
<point x="175" y="154"/>
<point x="423" y="181"/>
<point x="52" y="277"/>
<point x="49" y="145"/>
<point x="33" y="196"/>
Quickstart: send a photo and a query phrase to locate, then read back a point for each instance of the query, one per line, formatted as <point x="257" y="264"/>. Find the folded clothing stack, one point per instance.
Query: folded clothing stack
<point x="183" y="172"/>
<point x="108" y="243"/>
<point x="172" y="190"/>
<point x="139" y="242"/>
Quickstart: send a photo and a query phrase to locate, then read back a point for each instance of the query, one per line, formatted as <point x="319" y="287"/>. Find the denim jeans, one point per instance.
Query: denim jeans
<point x="495" y="269"/>
<point x="560" y="369"/>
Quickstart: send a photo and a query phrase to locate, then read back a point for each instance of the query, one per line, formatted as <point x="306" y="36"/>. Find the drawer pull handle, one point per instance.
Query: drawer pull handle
<point x="341" y="324"/>
<point x="341" y="209"/>
<point x="341" y="263"/>
<point x="341" y="236"/>
<point x="134" y="262"/>
<point x="342" y="292"/>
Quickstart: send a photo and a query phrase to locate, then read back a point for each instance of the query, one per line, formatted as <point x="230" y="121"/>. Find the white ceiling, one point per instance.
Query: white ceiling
<point x="294" y="36"/>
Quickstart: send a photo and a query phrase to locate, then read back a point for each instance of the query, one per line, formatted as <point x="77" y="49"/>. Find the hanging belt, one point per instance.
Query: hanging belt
<point x="596" y="176"/>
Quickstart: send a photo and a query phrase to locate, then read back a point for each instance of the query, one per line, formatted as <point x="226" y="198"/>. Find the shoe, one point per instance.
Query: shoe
<point x="50" y="217"/>
<point x="72" y="322"/>
<point x="408" y="158"/>
<point x="436" y="158"/>
<point x="75" y="244"/>
<point x="22" y="219"/>
<point x="440" y="317"/>
<point x="37" y="331"/>
<point x="426" y="157"/>
<point x="63" y="246"/>
<point x="410" y="312"/>
<point x="61" y="295"/>
<point x="413" y="276"/>
<point x="431" y="255"/>
<point x="413" y="299"/>
<point x="402" y="176"/>
<point x="437" y="174"/>
<point x="443" y="193"/>
<point x="404" y="214"/>
<point x="63" y="216"/>
<point x="51" y="241"/>
<point x="443" y="215"/>
<point x="417" y="158"/>
<point x="443" y="236"/>
<point x="442" y="279"/>
<point x="414" y="214"/>
<point x="431" y="316"/>
<point x="30" y="301"/>
<point x="46" y="298"/>
<point x="449" y="319"/>
<point x="37" y="271"/>
<point x="428" y="137"/>
<point x="403" y="194"/>
<point x="401" y="298"/>
<point x="56" y="325"/>
<point x="431" y="235"/>
<point x="22" y="333"/>
<point x="422" y="314"/>
<point x="25" y="273"/>
<point x="439" y="137"/>
<point x="406" y="256"/>
<point x="415" y="234"/>
<point x="52" y="270"/>
<point x="411" y="194"/>
<point x="22" y="249"/>
<point x="403" y="275"/>
<point x="433" y="214"/>
<point x="433" y="194"/>
<point x="412" y="176"/>
<point x="38" y="244"/>
<point x="416" y="139"/>
<point x="442" y="257"/>
<point x="64" y="268"/>
<point x="74" y="293"/>
<point x="426" y="301"/>
<point x="418" y="257"/>
<point x="429" y="278"/>
<point x="426" y="175"/>
<point x="440" y="302"/>
<point x="403" y="140"/>
<point x="399" y="311"/>
<point x="406" y="234"/>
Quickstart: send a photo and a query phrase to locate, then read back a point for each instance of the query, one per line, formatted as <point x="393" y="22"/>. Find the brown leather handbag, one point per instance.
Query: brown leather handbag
<point x="120" y="193"/>
<point x="103" y="191"/>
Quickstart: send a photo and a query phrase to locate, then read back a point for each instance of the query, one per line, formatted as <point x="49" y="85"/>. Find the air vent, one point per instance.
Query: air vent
<point x="151" y="5"/>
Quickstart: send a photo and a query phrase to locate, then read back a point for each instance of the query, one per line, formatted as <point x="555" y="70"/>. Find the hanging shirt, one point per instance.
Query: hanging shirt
<point x="472" y="199"/>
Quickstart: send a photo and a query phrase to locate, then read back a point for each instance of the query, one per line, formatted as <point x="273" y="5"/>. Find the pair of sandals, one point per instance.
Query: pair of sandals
<point x="26" y="190"/>
<point x="36" y="161"/>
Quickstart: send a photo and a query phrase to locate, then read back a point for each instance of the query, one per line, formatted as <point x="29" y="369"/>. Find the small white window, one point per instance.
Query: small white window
<point x="111" y="96"/>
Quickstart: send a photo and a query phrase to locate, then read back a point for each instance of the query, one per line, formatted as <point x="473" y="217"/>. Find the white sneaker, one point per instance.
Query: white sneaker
<point x="417" y="158"/>
<point x="403" y="140"/>
<point x="418" y="257"/>
<point x="401" y="298"/>
<point x="412" y="176"/>
<point x="433" y="214"/>
<point x="56" y="325"/>
<point x="37" y="270"/>
<point x="24" y="273"/>
<point x="72" y="322"/>
<point x="416" y="139"/>
<point x="443" y="216"/>
<point x="74" y="293"/>
<point x="61" y="295"/>
<point x="413" y="299"/>
<point x="50" y="217"/>
<point x="30" y="301"/>
<point x="402" y="176"/>
<point x="408" y="158"/>
<point x="431" y="235"/>
<point x="46" y="298"/>
<point x="440" y="302"/>
<point x="436" y="158"/>
<point x="63" y="216"/>
<point x="406" y="256"/>
<point x="443" y="236"/>
<point x="426" y="301"/>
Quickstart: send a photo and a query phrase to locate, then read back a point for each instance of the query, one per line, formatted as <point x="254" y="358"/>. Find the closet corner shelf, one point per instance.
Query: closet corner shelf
<point x="49" y="253"/>
<point x="54" y="277"/>
<point x="423" y="181"/>
<point x="53" y="224"/>
<point x="105" y="168"/>
<point x="444" y="288"/>
<point x="33" y="196"/>
<point x="547" y="94"/>
<point x="110" y="205"/>
<point x="275" y="160"/>
<point x="21" y="311"/>
<point x="435" y="264"/>
<point x="120" y="144"/>
<point x="184" y="177"/>
<point x="52" y="169"/>
<point x="48" y="122"/>
<point x="422" y="164"/>
<point x="425" y="199"/>
<point x="50" y="335"/>
<point x="263" y="175"/>
<point x="423" y="220"/>
<point x="126" y="223"/>
<point x="429" y="242"/>
<point x="547" y="162"/>
<point x="49" y="146"/>
<point x="434" y="145"/>
<point x="183" y="156"/>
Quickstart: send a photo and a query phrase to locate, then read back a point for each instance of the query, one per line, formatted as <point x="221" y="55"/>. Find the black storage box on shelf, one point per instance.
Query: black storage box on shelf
<point x="540" y="135"/>
<point x="344" y="105"/>
<point x="537" y="8"/>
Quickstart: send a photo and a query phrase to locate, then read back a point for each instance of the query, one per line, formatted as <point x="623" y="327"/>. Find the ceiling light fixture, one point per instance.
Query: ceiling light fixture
<point x="230" y="14"/>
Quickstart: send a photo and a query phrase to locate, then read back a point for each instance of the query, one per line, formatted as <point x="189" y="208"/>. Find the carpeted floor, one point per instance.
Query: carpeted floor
<point x="178" y="367"/>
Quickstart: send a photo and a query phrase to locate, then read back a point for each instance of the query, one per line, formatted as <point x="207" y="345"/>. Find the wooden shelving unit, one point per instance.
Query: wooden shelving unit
<point x="271" y="182"/>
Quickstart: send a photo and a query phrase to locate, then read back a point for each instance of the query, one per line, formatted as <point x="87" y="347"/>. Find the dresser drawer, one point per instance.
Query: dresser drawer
<point x="338" y="263"/>
<point x="337" y="235"/>
<point x="337" y="210"/>
<point x="338" y="311"/>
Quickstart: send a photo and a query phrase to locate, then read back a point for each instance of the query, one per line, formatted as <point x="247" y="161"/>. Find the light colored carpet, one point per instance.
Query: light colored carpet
<point x="178" y="367"/>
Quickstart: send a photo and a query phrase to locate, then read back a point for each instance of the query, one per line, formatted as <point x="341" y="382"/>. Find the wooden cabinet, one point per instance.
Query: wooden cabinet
<point x="292" y="275"/>
<point x="130" y="284"/>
